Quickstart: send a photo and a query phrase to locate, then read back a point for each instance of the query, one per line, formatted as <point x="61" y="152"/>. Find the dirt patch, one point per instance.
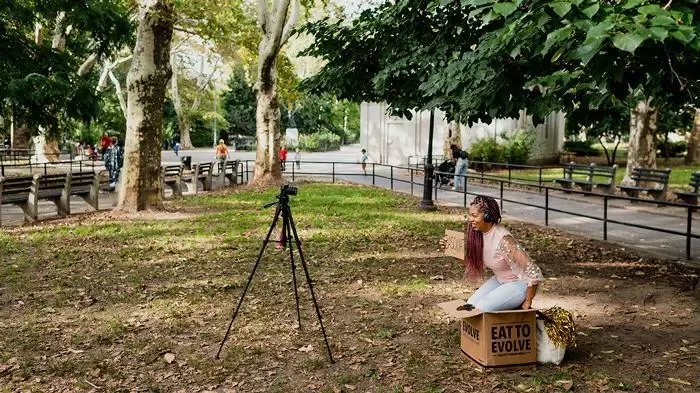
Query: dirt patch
<point x="149" y="316"/>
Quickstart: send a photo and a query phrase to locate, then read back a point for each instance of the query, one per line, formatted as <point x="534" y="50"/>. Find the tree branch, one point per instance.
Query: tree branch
<point x="293" y="15"/>
<point x="280" y="21"/>
<point x="87" y="64"/>
<point x="120" y="96"/>
<point x="58" y="40"/>
<point x="184" y="30"/>
<point x="668" y="4"/>
<point x="263" y="15"/>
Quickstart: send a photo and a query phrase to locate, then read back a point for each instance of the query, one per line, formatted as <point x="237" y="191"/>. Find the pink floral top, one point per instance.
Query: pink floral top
<point x="508" y="259"/>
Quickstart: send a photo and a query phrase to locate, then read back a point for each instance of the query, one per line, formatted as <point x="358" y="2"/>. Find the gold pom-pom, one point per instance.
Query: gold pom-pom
<point x="560" y="327"/>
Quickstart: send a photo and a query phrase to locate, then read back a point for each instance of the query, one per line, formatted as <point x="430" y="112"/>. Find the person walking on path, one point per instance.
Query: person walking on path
<point x="114" y="160"/>
<point x="364" y="161"/>
<point x="460" y="171"/>
<point x="176" y="148"/>
<point x="221" y="154"/>
<point x="489" y="244"/>
<point x="283" y="158"/>
<point x="297" y="158"/>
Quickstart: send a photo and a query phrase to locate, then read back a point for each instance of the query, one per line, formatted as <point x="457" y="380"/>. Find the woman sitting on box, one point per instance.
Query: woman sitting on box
<point x="515" y="279"/>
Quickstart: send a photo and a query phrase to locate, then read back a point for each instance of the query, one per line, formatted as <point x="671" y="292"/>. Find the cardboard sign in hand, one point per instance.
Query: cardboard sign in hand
<point x="455" y="244"/>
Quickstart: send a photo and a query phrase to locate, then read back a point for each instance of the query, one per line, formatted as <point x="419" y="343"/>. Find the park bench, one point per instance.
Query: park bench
<point x="231" y="172"/>
<point x="691" y="197"/>
<point x="172" y="177"/>
<point x="202" y="173"/>
<point x="26" y="191"/>
<point x="588" y="177"/>
<point x="652" y="181"/>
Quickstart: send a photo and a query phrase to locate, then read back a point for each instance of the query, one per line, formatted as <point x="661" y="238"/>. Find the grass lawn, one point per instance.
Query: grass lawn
<point x="121" y="303"/>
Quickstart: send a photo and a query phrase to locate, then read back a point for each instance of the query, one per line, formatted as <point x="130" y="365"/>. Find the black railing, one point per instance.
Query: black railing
<point x="419" y="161"/>
<point x="413" y="177"/>
<point x="25" y="164"/>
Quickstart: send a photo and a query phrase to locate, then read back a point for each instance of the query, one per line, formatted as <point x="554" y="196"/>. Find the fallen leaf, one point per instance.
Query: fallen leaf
<point x="437" y="278"/>
<point x="565" y="383"/>
<point x="349" y="387"/>
<point x="306" y="348"/>
<point x="679" y="381"/>
<point x="169" y="357"/>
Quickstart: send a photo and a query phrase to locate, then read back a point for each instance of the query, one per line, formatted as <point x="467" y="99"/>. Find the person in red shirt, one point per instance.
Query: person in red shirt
<point x="283" y="158"/>
<point x="105" y="141"/>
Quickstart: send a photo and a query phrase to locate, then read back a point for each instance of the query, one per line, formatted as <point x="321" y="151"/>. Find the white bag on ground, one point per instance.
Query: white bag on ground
<point x="547" y="351"/>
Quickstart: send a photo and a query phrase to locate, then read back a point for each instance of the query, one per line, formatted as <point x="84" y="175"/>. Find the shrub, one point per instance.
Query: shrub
<point x="675" y="149"/>
<point x="518" y="146"/>
<point x="487" y="150"/>
<point x="321" y="141"/>
<point x="581" y="148"/>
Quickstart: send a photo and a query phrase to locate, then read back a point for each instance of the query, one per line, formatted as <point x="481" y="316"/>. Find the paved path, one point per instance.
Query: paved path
<point x="515" y="205"/>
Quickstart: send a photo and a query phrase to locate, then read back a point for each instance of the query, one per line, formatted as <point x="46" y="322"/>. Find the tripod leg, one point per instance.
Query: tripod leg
<point x="250" y="278"/>
<point x="308" y="281"/>
<point x="288" y="236"/>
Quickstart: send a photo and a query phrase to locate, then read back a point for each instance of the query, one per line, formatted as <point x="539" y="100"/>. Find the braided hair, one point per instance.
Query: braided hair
<point x="475" y="239"/>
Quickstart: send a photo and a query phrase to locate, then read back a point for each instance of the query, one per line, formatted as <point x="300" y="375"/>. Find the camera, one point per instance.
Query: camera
<point x="288" y="190"/>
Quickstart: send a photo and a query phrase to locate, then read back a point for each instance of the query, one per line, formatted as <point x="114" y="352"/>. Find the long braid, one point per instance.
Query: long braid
<point x="475" y="239"/>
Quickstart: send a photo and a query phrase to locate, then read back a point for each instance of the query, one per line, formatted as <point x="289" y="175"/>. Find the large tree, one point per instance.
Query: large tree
<point x="149" y="74"/>
<point x="276" y="23"/>
<point x="48" y="50"/>
<point x="476" y="59"/>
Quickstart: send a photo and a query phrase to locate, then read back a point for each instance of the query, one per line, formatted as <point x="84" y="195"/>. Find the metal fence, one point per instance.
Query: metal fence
<point x="25" y="165"/>
<point x="413" y="177"/>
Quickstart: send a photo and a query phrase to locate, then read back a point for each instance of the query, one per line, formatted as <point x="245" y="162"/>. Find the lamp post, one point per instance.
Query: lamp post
<point x="427" y="202"/>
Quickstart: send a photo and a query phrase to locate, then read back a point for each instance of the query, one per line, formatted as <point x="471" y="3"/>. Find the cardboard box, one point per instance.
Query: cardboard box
<point x="454" y="244"/>
<point x="496" y="339"/>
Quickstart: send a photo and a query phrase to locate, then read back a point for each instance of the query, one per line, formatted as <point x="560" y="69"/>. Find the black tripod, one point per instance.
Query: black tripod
<point x="288" y="229"/>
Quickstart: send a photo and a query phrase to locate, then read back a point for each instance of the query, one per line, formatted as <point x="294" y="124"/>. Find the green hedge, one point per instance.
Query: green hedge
<point x="321" y="141"/>
<point x="581" y="148"/>
<point x="515" y="150"/>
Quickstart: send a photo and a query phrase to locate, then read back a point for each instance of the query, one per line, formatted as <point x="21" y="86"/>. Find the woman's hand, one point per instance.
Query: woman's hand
<point x="527" y="304"/>
<point x="443" y="242"/>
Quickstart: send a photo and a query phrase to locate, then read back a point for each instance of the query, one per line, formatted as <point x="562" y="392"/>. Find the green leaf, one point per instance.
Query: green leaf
<point x="632" y="4"/>
<point x="652" y="9"/>
<point x="658" y="33"/>
<point x="489" y="17"/>
<point x="684" y="34"/>
<point x="592" y="10"/>
<point x="561" y="8"/>
<point x="663" y="20"/>
<point x="628" y="42"/>
<point x="505" y="9"/>
<point x="600" y="30"/>
<point x="556" y="37"/>
<point x="586" y="51"/>
<point x="476" y="3"/>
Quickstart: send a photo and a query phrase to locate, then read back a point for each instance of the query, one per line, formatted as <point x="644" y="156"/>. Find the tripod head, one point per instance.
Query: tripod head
<point x="283" y="196"/>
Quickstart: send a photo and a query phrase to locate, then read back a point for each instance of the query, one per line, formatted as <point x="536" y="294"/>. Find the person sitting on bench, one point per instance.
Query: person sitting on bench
<point x="516" y="276"/>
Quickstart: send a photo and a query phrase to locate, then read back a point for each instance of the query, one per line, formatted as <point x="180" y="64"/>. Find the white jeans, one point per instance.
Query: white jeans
<point x="494" y="296"/>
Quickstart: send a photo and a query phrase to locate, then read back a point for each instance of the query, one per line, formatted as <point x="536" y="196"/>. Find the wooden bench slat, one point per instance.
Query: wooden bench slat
<point x="588" y="176"/>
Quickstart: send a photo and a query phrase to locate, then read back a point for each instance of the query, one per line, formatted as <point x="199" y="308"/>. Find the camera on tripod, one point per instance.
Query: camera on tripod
<point x="288" y="190"/>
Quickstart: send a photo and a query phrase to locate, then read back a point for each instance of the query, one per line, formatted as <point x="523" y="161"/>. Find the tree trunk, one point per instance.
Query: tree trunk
<point x="183" y="124"/>
<point x="693" y="154"/>
<point x="641" y="151"/>
<point x="453" y="137"/>
<point x="140" y="186"/>
<point x="267" y="162"/>
<point x="276" y="27"/>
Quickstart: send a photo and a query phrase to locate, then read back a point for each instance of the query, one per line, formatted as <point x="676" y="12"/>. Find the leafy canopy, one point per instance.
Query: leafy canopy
<point x="41" y="85"/>
<point x="476" y="59"/>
